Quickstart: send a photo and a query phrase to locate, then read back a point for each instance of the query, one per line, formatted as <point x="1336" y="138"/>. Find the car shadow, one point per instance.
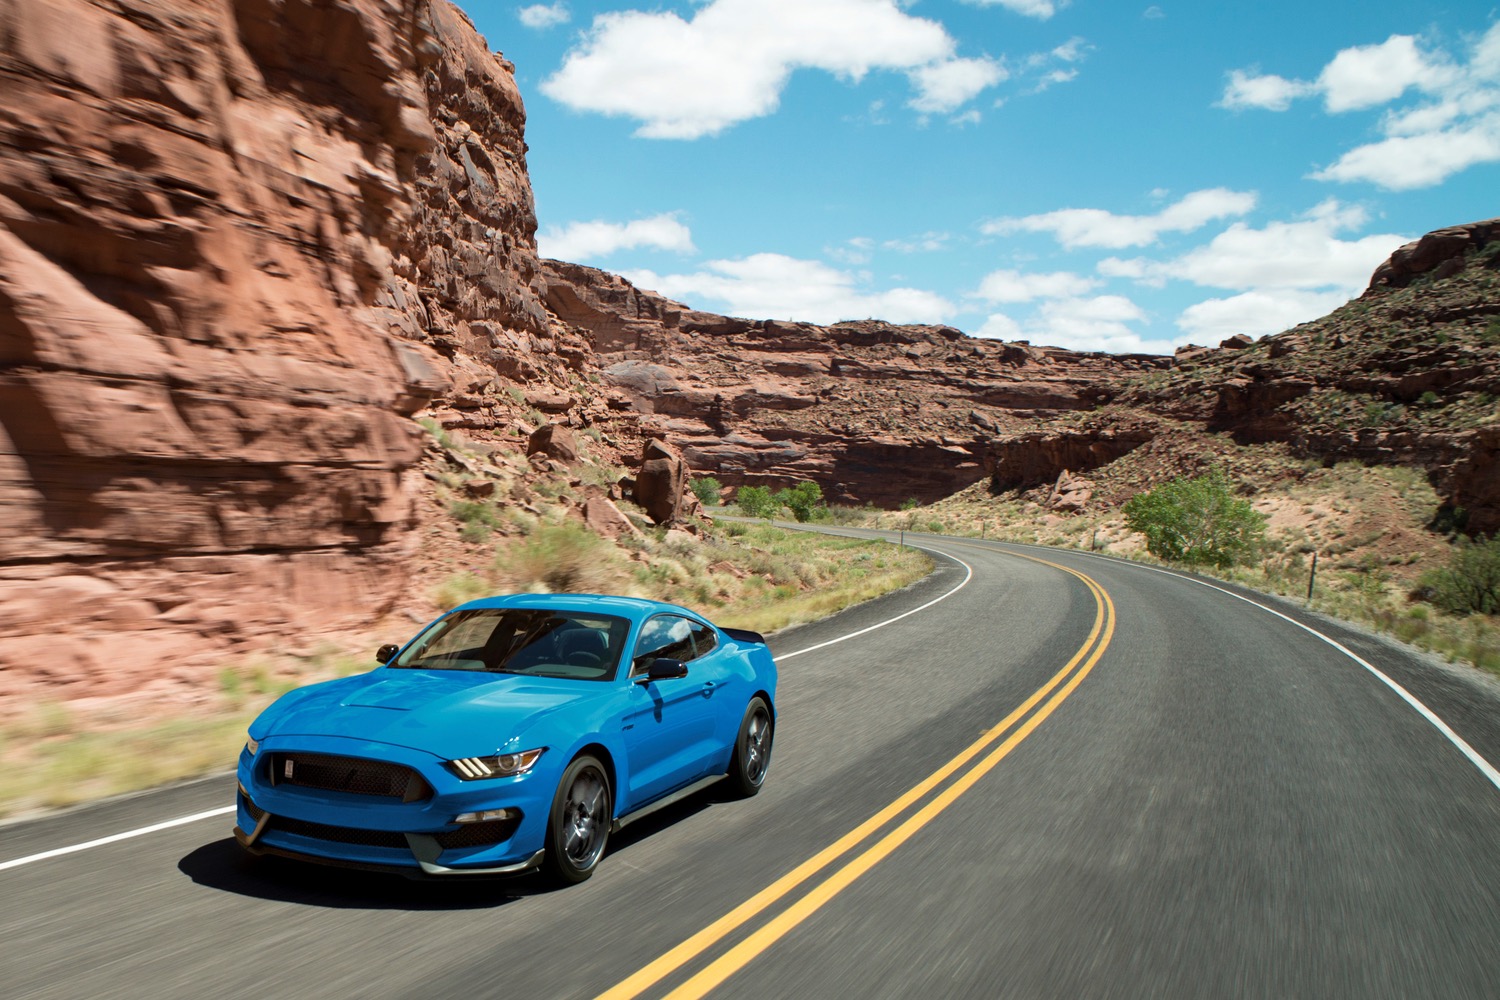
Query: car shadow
<point x="225" y="866"/>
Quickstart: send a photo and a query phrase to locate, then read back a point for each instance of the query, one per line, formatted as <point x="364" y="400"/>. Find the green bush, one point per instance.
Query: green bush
<point x="1471" y="580"/>
<point x="756" y="501"/>
<point x="478" y="519"/>
<point x="805" y="500"/>
<point x="1197" y="520"/>
<point x="708" y="490"/>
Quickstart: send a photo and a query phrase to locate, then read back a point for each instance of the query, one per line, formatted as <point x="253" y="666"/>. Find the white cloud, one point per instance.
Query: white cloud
<point x="1286" y="272"/>
<point x="928" y="242"/>
<point x="1041" y="9"/>
<point x="582" y="241"/>
<point x="1256" y="313"/>
<point x="1304" y="254"/>
<point x="542" y="16"/>
<point x="687" y="79"/>
<point x="1270" y="92"/>
<point x="1405" y="162"/>
<point x="1015" y="286"/>
<point x="1092" y="227"/>
<point x="1367" y="75"/>
<point x="1098" y="323"/>
<point x="774" y="286"/>
<point x="1452" y="122"/>
<point x="946" y="86"/>
<point x="1000" y="327"/>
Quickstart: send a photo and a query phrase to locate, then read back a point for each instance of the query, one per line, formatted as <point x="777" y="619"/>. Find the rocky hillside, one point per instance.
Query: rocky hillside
<point x="241" y="243"/>
<point x="1407" y="374"/>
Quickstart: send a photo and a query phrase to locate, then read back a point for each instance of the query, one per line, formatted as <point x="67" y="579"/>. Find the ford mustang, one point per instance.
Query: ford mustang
<point x="512" y="733"/>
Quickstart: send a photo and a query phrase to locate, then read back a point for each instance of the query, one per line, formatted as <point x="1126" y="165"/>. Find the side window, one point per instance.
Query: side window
<point x="704" y="638"/>
<point x="670" y="636"/>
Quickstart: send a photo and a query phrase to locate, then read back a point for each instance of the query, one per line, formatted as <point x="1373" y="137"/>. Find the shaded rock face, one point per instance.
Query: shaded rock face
<point x="239" y="244"/>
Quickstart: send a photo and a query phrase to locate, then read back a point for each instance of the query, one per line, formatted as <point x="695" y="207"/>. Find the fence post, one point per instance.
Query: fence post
<point x="1312" y="576"/>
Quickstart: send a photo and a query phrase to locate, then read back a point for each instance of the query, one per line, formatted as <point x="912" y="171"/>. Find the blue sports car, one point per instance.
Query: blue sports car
<point x="512" y="733"/>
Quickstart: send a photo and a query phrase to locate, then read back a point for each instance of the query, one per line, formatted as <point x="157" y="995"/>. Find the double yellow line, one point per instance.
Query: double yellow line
<point x="1054" y="692"/>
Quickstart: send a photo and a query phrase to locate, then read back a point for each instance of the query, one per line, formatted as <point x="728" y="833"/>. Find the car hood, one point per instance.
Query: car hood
<point x="446" y="713"/>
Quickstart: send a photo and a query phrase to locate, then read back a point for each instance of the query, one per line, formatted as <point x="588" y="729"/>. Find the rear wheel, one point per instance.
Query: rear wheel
<point x="578" y="826"/>
<point x="752" y="749"/>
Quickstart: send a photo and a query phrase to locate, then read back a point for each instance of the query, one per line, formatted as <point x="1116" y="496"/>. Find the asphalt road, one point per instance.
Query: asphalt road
<point x="1070" y="778"/>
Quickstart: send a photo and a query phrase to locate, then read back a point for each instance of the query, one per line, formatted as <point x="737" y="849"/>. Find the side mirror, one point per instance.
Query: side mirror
<point x="387" y="652"/>
<point x="664" y="669"/>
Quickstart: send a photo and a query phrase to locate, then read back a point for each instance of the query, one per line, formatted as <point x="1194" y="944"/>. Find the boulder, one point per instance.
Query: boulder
<point x="662" y="482"/>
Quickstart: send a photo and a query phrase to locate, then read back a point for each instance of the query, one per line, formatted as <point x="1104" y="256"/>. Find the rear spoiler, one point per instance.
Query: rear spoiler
<point x="744" y="635"/>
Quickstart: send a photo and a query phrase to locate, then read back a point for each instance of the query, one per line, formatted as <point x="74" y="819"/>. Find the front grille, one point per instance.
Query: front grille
<point x="255" y="811"/>
<point x="355" y="775"/>
<point x="339" y="834"/>
<point x="479" y="834"/>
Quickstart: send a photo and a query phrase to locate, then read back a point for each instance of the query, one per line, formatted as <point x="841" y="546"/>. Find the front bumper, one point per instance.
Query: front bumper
<point x="412" y="833"/>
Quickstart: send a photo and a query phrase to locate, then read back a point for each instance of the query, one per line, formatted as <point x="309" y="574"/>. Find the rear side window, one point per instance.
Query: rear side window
<point x="669" y="636"/>
<point x="704" y="638"/>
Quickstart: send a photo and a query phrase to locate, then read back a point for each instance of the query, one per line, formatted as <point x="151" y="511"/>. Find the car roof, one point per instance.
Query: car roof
<point x="635" y="608"/>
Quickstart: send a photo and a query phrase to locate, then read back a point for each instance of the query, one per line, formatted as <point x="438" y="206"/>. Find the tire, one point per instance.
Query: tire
<point x="752" y="749"/>
<point x="578" y="825"/>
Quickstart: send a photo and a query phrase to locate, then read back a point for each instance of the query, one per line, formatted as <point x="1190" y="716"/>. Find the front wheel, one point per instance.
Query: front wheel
<point x="578" y="826"/>
<point x="752" y="749"/>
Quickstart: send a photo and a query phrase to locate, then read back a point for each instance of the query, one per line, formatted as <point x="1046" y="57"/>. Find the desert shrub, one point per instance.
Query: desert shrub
<point x="459" y="589"/>
<point x="558" y="557"/>
<point x="478" y="519"/>
<point x="756" y="501"/>
<point x="1471" y="580"/>
<point x="1197" y="520"/>
<point x="708" y="490"/>
<point x="805" y="500"/>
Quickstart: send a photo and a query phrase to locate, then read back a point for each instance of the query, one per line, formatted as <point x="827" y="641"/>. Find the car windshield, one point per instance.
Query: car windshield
<point x="534" y="641"/>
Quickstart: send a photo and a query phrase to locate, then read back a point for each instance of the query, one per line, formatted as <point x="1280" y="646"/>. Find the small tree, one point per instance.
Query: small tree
<point x="708" y="490"/>
<point x="756" y="501"/>
<point x="1471" y="580"/>
<point x="1197" y="520"/>
<point x="805" y="499"/>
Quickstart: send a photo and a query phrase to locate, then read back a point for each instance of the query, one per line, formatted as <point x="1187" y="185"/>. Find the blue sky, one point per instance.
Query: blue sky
<point x="1122" y="176"/>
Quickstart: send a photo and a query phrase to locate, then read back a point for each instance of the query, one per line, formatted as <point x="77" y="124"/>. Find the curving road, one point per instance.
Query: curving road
<point x="1057" y="775"/>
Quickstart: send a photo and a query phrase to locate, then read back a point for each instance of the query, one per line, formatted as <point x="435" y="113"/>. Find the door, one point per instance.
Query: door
<point x="669" y="726"/>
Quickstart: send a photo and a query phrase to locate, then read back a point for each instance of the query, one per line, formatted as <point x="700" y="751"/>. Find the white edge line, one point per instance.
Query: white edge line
<point x="1485" y="767"/>
<point x="180" y="821"/>
<point x="210" y="814"/>
<point x="968" y="575"/>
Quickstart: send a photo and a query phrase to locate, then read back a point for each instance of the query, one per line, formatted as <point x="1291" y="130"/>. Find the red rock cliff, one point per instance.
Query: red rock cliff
<point x="240" y="242"/>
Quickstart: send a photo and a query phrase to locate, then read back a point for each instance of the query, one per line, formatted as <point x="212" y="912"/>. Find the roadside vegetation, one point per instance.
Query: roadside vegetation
<point x="1388" y="553"/>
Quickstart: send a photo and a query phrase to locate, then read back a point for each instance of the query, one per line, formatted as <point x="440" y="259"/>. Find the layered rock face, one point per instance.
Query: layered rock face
<point x="240" y="242"/>
<point x="1407" y="374"/>
<point x="873" y="412"/>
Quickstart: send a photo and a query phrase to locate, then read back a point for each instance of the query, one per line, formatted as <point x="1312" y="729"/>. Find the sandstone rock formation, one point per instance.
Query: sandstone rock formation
<point x="239" y="244"/>
<point x="874" y="412"/>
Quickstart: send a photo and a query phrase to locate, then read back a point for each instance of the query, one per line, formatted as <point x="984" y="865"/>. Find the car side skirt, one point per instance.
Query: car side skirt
<point x="666" y="800"/>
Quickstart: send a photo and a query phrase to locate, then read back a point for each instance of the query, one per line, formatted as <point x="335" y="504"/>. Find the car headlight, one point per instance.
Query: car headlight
<point x="252" y="744"/>
<point x="503" y="765"/>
